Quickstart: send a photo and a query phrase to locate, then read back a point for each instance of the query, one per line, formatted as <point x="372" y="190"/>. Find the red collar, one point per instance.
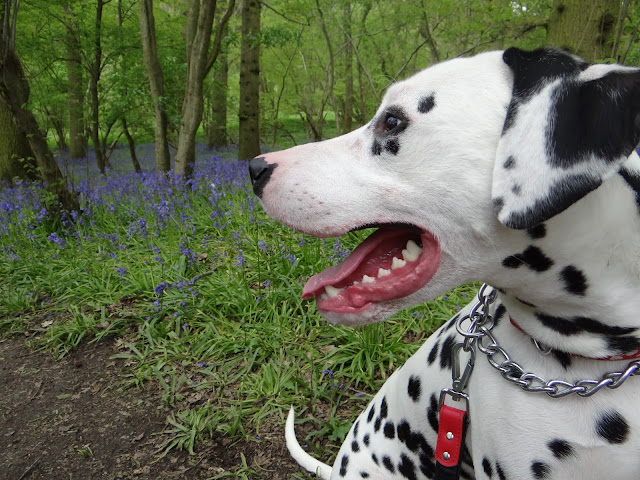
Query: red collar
<point x="629" y="356"/>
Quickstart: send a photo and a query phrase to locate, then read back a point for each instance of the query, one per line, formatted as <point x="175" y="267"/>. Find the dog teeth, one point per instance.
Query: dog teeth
<point x="397" y="263"/>
<point x="332" y="291"/>
<point x="383" y="272"/>
<point x="368" y="279"/>
<point x="412" y="252"/>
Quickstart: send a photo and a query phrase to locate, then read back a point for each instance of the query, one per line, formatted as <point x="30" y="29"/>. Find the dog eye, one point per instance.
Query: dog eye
<point x="391" y="122"/>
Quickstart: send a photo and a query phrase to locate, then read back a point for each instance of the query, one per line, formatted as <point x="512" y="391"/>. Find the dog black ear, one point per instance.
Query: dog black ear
<point x="569" y="127"/>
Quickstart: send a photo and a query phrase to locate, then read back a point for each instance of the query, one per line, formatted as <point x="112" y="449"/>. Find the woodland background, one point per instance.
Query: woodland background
<point x="247" y="73"/>
<point x="132" y="245"/>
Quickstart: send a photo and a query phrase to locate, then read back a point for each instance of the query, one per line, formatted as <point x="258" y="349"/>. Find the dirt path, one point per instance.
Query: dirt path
<point x="66" y="420"/>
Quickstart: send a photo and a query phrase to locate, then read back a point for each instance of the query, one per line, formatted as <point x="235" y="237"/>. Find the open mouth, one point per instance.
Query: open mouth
<point x="393" y="262"/>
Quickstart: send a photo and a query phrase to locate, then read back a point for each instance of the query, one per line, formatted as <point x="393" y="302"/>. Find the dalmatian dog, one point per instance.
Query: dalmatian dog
<point x="512" y="168"/>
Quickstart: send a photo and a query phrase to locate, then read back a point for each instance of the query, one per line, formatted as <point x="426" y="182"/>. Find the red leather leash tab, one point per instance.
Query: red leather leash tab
<point x="451" y="429"/>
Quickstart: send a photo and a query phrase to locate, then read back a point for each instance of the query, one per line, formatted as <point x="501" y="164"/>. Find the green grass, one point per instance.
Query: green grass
<point x="227" y="340"/>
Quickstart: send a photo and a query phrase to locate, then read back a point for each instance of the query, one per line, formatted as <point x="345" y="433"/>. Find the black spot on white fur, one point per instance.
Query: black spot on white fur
<point x="622" y="345"/>
<point x="486" y="466"/>
<point x="612" y="427"/>
<point x="414" y="440"/>
<point x="532" y="257"/>
<point x="540" y="470"/>
<point x="562" y="357"/>
<point x="509" y="163"/>
<point x="388" y="464"/>
<point x="427" y="103"/>
<point x="560" y="448"/>
<point x="574" y="280"/>
<point x="343" y="465"/>
<point x="384" y="408"/>
<point x="433" y="354"/>
<point x="376" y="148"/>
<point x="427" y="465"/>
<point x="389" y="430"/>
<point x="371" y="413"/>
<point x="432" y="412"/>
<point x="414" y="388"/>
<point x="392" y="146"/>
<point x="445" y="352"/>
<point x="499" y="314"/>
<point x="537" y="232"/>
<point x="577" y="325"/>
<point x="407" y="468"/>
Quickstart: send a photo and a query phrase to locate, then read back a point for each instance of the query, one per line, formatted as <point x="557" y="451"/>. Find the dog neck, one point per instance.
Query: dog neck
<point x="573" y="283"/>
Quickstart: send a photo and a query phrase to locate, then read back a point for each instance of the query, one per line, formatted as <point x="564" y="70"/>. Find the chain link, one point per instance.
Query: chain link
<point x="478" y="334"/>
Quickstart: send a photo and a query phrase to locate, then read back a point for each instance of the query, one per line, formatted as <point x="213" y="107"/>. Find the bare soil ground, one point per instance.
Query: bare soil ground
<point x="67" y="420"/>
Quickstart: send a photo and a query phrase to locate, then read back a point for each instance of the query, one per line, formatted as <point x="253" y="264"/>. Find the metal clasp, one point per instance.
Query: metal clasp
<point x="460" y="381"/>
<point x="456" y="396"/>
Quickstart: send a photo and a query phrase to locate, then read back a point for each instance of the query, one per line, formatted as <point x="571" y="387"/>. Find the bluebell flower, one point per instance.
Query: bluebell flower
<point x="159" y="289"/>
<point x="241" y="261"/>
<point x="56" y="239"/>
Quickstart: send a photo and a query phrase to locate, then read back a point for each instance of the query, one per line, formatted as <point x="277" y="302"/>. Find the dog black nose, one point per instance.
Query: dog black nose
<point x="260" y="171"/>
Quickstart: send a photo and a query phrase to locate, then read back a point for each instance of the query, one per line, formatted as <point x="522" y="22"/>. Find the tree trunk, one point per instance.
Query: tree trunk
<point x="249" y="107"/>
<point x="347" y="124"/>
<point x="132" y="145"/>
<point x="199" y="62"/>
<point x="585" y="28"/>
<point x="75" y="92"/>
<point x="14" y="93"/>
<point x="16" y="157"/>
<point x="217" y="136"/>
<point x="95" y="70"/>
<point x="425" y="31"/>
<point x="156" y="81"/>
<point x="331" y="73"/>
<point x="201" y="20"/>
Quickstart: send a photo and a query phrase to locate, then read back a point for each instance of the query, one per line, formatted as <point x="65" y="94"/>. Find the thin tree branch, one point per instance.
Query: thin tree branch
<point x="283" y="15"/>
<point x="217" y="39"/>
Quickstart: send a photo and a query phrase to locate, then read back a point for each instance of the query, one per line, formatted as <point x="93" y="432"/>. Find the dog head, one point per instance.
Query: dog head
<point x="455" y="158"/>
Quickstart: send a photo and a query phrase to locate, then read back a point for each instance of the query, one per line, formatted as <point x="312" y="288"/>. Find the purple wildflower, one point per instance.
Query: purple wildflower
<point x="160" y="288"/>
<point x="56" y="239"/>
<point x="241" y="260"/>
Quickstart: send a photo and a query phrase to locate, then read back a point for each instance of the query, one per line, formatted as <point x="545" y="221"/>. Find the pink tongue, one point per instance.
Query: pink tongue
<point x="337" y="273"/>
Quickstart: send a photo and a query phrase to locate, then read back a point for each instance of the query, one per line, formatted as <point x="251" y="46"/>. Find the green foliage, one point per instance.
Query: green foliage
<point x="201" y="292"/>
<point x="389" y="41"/>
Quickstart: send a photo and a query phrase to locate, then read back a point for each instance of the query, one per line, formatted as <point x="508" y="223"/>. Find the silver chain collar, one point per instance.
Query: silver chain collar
<point x="479" y="335"/>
